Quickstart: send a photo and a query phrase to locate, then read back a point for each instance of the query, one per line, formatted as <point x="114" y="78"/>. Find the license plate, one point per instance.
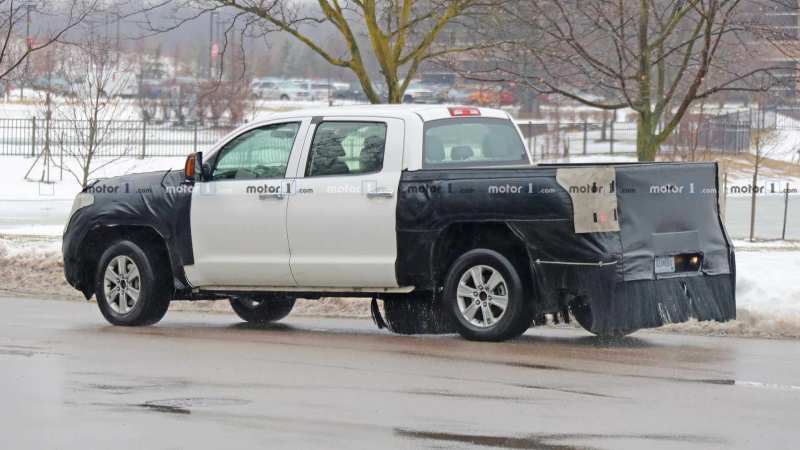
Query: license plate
<point x="665" y="264"/>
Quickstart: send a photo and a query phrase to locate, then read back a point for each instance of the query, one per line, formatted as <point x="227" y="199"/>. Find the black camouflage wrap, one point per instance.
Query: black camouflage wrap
<point x="664" y="209"/>
<point x="159" y="201"/>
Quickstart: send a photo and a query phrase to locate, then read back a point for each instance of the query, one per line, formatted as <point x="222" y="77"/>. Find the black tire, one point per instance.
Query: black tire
<point x="262" y="309"/>
<point x="284" y="97"/>
<point x="417" y="313"/>
<point x="514" y="320"/>
<point x="582" y="312"/>
<point x="154" y="285"/>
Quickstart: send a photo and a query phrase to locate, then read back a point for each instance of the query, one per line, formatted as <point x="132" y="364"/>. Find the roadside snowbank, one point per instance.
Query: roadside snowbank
<point x="768" y="299"/>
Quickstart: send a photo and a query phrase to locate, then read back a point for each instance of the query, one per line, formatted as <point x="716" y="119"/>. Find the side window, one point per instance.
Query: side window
<point x="347" y="148"/>
<point x="259" y="153"/>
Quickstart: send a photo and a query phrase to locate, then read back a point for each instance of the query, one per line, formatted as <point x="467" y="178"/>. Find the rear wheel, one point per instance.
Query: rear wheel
<point x="262" y="309"/>
<point x="485" y="294"/>
<point x="132" y="284"/>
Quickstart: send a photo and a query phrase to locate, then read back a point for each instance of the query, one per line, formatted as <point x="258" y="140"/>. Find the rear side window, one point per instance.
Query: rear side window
<point x="472" y="141"/>
<point x="347" y="148"/>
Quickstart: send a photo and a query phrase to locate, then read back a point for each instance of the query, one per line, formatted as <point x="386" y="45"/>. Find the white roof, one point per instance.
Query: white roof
<point x="423" y="112"/>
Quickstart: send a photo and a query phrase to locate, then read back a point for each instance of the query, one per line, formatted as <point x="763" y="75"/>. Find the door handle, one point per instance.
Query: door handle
<point x="381" y="192"/>
<point x="273" y="196"/>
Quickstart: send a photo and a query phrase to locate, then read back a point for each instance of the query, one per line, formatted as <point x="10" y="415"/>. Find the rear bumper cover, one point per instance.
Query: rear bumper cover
<point x="624" y="305"/>
<point x="631" y="305"/>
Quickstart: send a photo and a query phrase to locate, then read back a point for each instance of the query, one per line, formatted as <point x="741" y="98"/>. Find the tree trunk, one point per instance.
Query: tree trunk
<point x="394" y="95"/>
<point x="647" y="143"/>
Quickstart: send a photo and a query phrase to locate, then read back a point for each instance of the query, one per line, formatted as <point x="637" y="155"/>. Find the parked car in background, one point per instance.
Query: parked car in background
<point x="460" y="96"/>
<point x="127" y="87"/>
<point x="441" y="83"/>
<point x="419" y="93"/>
<point x="496" y="95"/>
<point x="266" y="88"/>
<point x="151" y="88"/>
<point x="54" y="84"/>
<point x="350" y="93"/>
<point x="295" y="90"/>
<point x="444" y="79"/>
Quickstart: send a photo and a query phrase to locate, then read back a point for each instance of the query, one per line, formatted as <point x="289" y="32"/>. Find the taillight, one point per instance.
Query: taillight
<point x="464" y="111"/>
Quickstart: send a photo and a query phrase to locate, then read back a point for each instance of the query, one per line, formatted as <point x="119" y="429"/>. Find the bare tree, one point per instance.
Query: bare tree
<point x="397" y="35"/>
<point x="88" y="120"/>
<point x="763" y="141"/>
<point x="656" y="57"/>
<point x="29" y="26"/>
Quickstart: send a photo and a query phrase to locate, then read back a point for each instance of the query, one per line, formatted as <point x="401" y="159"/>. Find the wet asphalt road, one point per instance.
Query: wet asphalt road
<point x="207" y="381"/>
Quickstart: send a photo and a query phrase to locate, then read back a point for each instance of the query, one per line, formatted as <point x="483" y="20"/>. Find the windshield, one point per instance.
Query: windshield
<point x="473" y="141"/>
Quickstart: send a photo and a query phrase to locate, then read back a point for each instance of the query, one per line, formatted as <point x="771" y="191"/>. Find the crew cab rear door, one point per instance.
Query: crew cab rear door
<point x="341" y="214"/>
<point x="238" y="216"/>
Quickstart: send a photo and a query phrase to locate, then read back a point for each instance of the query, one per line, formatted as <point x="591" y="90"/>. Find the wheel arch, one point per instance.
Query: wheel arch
<point x="98" y="239"/>
<point x="459" y="237"/>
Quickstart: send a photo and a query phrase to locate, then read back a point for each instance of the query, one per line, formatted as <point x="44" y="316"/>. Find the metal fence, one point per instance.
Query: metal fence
<point x="29" y="137"/>
<point x="561" y="139"/>
<point x="726" y="133"/>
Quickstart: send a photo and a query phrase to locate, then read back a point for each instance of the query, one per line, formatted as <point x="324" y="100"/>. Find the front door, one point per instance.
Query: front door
<point x="341" y="214"/>
<point x="238" y="217"/>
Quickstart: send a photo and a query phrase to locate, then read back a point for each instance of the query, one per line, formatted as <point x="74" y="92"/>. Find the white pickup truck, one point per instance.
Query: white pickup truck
<point x="437" y="212"/>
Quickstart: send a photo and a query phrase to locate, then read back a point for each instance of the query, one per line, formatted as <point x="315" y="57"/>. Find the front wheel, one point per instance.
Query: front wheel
<point x="262" y="309"/>
<point x="131" y="285"/>
<point x="485" y="294"/>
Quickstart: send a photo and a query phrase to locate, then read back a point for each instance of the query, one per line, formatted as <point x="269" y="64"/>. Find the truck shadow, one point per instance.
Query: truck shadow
<point x="589" y="341"/>
<point x="569" y="339"/>
<point x="264" y="326"/>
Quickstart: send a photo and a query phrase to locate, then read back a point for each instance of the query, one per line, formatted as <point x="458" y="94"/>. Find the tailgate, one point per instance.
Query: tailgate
<point x="663" y="229"/>
<point x="666" y="210"/>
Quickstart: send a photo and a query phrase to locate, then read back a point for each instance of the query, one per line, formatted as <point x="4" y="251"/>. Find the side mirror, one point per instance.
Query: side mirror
<point x="193" y="168"/>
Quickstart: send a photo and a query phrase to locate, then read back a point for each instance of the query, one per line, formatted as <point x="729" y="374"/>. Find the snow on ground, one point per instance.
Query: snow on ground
<point x="784" y="145"/>
<point x="766" y="280"/>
